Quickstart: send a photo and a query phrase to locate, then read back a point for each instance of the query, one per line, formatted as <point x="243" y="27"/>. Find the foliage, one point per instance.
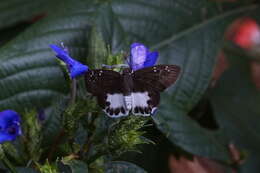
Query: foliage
<point x="74" y="135"/>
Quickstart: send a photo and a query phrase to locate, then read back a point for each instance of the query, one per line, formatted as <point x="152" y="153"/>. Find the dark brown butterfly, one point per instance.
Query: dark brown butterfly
<point x="136" y="92"/>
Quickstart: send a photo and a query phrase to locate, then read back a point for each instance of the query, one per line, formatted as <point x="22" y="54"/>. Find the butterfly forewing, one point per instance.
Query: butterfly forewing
<point x="106" y="81"/>
<point x="157" y="77"/>
<point x="107" y="86"/>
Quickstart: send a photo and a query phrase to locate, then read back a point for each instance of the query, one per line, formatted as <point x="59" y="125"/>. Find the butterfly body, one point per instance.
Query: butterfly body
<point x="136" y="92"/>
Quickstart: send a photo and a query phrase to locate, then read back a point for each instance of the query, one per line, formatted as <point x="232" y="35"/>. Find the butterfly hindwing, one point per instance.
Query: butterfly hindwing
<point x="107" y="86"/>
<point x="148" y="83"/>
<point x="144" y="102"/>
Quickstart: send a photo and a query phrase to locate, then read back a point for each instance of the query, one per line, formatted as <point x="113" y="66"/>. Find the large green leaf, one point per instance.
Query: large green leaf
<point x="195" y="51"/>
<point x="235" y="102"/>
<point x="122" y="167"/>
<point x="13" y="11"/>
<point x="29" y="75"/>
<point x="26" y="170"/>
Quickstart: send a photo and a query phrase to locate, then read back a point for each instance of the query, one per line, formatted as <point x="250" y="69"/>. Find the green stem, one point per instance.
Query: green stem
<point x="9" y="165"/>
<point x="73" y="91"/>
<point x="62" y="132"/>
<point x="56" y="143"/>
<point x="88" y="144"/>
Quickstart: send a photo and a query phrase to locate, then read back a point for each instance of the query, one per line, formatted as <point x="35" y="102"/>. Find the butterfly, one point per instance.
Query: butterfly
<point x="130" y="92"/>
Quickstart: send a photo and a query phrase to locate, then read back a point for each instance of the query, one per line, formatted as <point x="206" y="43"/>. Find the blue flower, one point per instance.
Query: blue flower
<point x="140" y="57"/>
<point x="75" y="68"/>
<point x="41" y="115"/>
<point x="9" y="125"/>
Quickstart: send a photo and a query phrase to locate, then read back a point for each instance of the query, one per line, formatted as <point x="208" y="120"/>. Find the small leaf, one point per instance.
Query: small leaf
<point x="15" y="10"/>
<point x="26" y="170"/>
<point x="98" y="50"/>
<point x="53" y="123"/>
<point x="122" y="167"/>
<point x="77" y="166"/>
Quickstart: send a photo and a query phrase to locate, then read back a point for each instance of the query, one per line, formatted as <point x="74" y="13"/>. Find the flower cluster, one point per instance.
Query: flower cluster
<point x="10" y="127"/>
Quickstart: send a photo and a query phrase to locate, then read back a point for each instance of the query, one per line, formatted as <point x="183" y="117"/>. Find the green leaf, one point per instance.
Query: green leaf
<point x="235" y="101"/>
<point x="13" y="11"/>
<point x="122" y="167"/>
<point x="77" y="166"/>
<point x="9" y="33"/>
<point x="194" y="50"/>
<point x="52" y="126"/>
<point x="26" y="170"/>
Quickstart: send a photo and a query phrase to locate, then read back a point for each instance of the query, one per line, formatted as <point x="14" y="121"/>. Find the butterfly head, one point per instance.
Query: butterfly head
<point x="127" y="71"/>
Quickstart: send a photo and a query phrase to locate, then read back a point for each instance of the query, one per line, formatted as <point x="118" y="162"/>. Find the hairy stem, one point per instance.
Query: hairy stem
<point x="88" y="144"/>
<point x="56" y="143"/>
<point x="73" y="91"/>
<point x="9" y="165"/>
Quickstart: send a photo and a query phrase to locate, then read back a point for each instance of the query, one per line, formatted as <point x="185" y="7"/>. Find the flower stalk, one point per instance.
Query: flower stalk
<point x="9" y="165"/>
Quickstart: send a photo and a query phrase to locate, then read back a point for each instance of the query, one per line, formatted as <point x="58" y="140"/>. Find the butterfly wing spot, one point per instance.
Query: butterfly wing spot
<point x="117" y="111"/>
<point x="136" y="110"/>
<point x="107" y="103"/>
<point x="154" y="110"/>
<point x="100" y="73"/>
<point x="115" y="105"/>
<point x="123" y="110"/>
<point x="140" y="103"/>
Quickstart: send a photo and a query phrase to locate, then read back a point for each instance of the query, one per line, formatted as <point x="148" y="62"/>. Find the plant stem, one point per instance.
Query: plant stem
<point x="56" y="143"/>
<point x="73" y="91"/>
<point x="9" y="165"/>
<point x="88" y="144"/>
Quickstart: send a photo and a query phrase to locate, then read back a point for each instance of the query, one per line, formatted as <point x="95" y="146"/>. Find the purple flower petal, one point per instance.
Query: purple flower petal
<point x="41" y="115"/>
<point x="78" y="69"/>
<point x="9" y="125"/>
<point x="75" y="67"/>
<point x="151" y="59"/>
<point x="140" y="57"/>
